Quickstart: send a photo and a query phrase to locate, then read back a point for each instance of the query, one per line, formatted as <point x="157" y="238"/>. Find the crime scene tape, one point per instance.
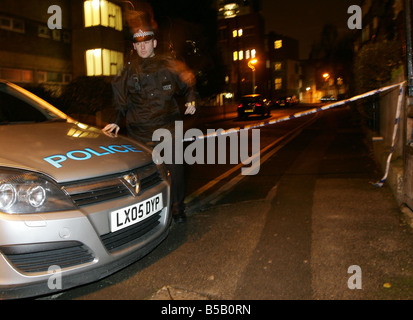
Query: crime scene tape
<point x="319" y="109"/>
<point x="293" y="116"/>
<point x="395" y="129"/>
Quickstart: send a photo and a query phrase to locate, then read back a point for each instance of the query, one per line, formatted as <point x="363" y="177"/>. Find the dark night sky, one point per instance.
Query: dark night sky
<point x="303" y="20"/>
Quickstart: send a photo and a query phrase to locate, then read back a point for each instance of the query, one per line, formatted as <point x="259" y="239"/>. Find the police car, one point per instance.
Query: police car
<point x="75" y="204"/>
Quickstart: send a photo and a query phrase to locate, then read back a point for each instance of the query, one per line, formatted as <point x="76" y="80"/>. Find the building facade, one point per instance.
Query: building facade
<point x="255" y="62"/>
<point x="284" y="66"/>
<point x="88" y="42"/>
<point x="92" y="40"/>
<point x="241" y="39"/>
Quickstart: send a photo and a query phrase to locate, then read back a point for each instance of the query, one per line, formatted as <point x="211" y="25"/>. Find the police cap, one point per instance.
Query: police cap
<point x="143" y="35"/>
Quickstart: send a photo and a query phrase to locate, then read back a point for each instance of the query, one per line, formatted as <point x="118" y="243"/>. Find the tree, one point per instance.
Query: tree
<point x="85" y="96"/>
<point x="376" y="63"/>
<point x="381" y="54"/>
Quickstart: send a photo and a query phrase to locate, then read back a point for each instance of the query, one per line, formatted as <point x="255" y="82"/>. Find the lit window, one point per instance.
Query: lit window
<point x="94" y="62"/>
<point x="278" y="44"/>
<point x="253" y="53"/>
<point x="12" y="24"/>
<point x="16" y="75"/>
<point x="247" y="54"/>
<point x="92" y="13"/>
<point x="43" y="32"/>
<point x="278" y="83"/>
<point x="27" y="76"/>
<point x="277" y="66"/>
<point x="235" y="55"/>
<point x="103" y="62"/>
<point x="104" y="13"/>
<point x="48" y="76"/>
<point x="229" y="14"/>
<point x="56" y="35"/>
<point x="54" y="77"/>
<point x="230" y="10"/>
<point x="236" y="33"/>
<point x="241" y="55"/>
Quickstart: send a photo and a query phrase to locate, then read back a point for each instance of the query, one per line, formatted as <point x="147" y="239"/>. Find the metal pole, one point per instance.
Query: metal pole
<point x="407" y="8"/>
<point x="407" y="122"/>
<point x="253" y="80"/>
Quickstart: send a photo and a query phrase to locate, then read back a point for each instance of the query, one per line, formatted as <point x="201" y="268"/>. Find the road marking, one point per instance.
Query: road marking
<point x="217" y="194"/>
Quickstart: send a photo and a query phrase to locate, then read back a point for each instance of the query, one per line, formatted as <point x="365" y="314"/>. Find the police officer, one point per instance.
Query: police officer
<point x="144" y="96"/>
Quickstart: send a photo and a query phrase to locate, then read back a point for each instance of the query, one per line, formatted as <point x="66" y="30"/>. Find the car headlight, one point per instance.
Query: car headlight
<point x="29" y="192"/>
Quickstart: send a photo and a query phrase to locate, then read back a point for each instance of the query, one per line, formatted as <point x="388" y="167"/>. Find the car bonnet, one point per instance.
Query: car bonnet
<point x="68" y="151"/>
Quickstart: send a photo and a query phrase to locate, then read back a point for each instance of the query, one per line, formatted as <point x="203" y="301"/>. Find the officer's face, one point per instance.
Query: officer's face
<point x="145" y="49"/>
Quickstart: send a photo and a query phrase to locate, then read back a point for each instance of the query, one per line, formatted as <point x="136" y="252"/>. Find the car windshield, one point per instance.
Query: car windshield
<point x="250" y="99"/>
<point x="15" y="108"/>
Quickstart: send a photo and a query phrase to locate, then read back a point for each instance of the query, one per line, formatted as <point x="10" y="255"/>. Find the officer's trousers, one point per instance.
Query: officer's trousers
<point x="177" y="186"/>
<point x="177" y="171"/>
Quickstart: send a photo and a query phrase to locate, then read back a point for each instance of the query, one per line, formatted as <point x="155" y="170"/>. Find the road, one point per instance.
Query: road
<point x="308" y="226"/>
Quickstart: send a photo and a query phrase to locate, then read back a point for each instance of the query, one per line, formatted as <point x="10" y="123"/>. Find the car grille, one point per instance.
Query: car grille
<point x="40" y="257"/>
<point x="114" y="241"/>
<point x="108" y="188"/>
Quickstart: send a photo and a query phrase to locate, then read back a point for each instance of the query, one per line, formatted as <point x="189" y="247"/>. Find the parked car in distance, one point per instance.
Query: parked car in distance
<point x="253" y="104"/>
<point x="75" y="203"/>
<point x="294" y="100"/>
<point x="328" y="98"/>
<point x="285" y="101"/>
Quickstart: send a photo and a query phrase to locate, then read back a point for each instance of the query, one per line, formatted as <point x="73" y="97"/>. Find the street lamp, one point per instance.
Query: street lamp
<point x="251" y="64"/>
<point x="326" y="77"/>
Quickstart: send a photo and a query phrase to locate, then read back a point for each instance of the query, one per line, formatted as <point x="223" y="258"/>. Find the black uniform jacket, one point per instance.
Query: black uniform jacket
<point x="144" y="95"/>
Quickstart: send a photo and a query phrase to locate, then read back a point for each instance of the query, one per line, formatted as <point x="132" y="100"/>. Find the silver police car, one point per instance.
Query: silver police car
<point x="75" y="204"/>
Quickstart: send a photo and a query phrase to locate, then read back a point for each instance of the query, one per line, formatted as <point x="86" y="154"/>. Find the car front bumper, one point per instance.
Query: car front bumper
<point x="42" y="254"/>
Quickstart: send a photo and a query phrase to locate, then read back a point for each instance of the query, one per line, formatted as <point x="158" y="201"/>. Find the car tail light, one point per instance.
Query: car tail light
<point x="258" y="104"/>
<point x="240" y="106"/>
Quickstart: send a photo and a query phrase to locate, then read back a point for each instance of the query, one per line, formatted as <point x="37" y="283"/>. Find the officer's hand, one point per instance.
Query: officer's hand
<point x="109" y="128"/>
<point x="190" y="107"/>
